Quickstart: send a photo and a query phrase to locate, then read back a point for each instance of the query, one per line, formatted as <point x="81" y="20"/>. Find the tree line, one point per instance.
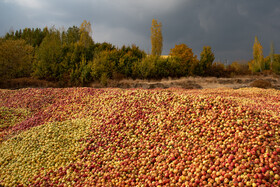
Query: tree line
<point x="71" y="58"/>
<point x="259" y="63"/>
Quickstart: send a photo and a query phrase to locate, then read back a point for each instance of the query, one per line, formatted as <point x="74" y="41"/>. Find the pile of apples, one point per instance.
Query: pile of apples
<point x="138" y="137"/>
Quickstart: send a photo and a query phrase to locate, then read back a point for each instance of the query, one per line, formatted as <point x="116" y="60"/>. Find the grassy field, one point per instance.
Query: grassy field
<point x="138" y="137"/>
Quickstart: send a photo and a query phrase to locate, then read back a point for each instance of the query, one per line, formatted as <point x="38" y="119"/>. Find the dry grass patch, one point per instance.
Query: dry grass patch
<point x="261" y="84"/>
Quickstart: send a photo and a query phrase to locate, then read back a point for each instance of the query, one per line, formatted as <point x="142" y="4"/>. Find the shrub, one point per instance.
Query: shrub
<point x="261" y="84"/>
<point x="104" y="79"/>
<point x="217" y="70"/>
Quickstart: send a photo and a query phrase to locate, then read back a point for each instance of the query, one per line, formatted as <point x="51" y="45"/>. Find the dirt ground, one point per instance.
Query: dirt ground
<point x="185" y="82"/>
<point x="195" y="82"/>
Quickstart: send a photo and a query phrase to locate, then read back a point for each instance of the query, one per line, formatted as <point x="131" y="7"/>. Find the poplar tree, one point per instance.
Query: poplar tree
<point x="271" y="54"/>
<point x="156" y="38"/>
<point x="258" y="62"/>
<point x="85" y="34"/>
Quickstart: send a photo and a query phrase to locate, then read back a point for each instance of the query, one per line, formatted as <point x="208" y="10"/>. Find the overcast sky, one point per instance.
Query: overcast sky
<point x="228" y="26"/>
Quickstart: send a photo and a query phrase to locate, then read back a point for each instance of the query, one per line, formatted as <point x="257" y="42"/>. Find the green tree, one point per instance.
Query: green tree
<point x="145" y="69"/>
<point x="103" y="64"/>
<point x="207" y="58"/>
<point x="257" y="64"/>
<point x="49" y="56"/>
<point x="185" y="60"/>
<point x="18" y="34"/>
<point x="72" y="35"/>
<point x="27" y="35"/>
<point x="15" y="59"/>
<point x="77" y="51"/>
<point x="33" y="37"/>
<point x="275" y="62"/>
<point x="128" y="56"/>
<point x="81" y="74"/>
<point x="217" y="70"/>
<point x="238" y="68"/>
<point x="271" y="54"/>
<point x="162" y="68"/>
<point x="156" y="38"/>
<point x="104" y="47"/>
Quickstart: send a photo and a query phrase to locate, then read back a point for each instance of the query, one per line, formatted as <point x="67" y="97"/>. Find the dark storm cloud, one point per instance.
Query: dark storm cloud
<point x="228" y="26"/>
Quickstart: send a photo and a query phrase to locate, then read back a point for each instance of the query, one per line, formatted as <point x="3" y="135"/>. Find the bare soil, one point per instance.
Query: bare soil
<point x="197" y="83"/>
<point x="262" y="81"/>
